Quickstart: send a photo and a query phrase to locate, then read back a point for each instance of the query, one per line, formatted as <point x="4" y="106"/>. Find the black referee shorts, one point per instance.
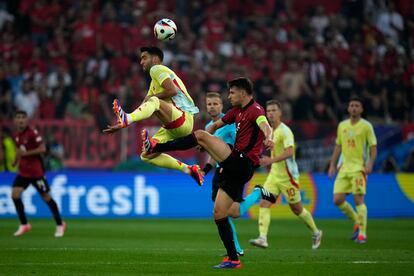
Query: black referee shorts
<point x="236" y="171"/>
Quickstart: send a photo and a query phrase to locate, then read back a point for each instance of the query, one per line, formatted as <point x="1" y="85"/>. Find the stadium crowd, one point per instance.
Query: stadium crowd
<point x="70" y="59"/>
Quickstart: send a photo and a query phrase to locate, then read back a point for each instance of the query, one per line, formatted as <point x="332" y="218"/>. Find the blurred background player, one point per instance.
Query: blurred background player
<point x="357" y="142"/>
<point x="227" y="133"/>
<point x="283" y="178"/>
<point x="237" y="163"/>
<point x="7" y="151"/>
<point x="168" y="99"/>
<point x="30" y="146"/>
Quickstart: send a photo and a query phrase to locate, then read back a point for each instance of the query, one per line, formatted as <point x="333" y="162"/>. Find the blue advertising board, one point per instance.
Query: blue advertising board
<point x="175" y="195"/>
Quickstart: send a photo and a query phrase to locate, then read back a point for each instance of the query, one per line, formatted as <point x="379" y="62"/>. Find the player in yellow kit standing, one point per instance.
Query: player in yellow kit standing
<point x="283" y="178"/>
<point x="168" y="99"/>
<point x="357" y="142"/>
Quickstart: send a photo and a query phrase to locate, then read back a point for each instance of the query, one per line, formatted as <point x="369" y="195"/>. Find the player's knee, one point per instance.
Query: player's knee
<point x="15" y="196"/>
<point x="218" y="213"/>
<point x="296" y="210"/>
<point x="338" y="201"/>
<point x="156" y="101"/>
<point x="46" y="197"/>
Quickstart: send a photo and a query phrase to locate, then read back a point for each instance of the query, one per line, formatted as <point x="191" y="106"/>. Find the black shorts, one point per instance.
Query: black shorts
<point x="39" y="183"/>
<point x="237" y="170"/>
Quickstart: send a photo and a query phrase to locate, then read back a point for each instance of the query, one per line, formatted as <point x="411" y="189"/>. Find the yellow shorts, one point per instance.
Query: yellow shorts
<point x="290" y="190"/>
<point x="165" y="134"/>
<point x="350" y="182"/>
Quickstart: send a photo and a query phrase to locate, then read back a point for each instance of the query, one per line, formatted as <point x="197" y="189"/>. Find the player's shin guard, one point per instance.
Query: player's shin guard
<point x="183" y="143"/>
<point x="348" y="211"/>
<point x="264" y="221"/>
<point x="235" y="239"/>
<point x="249" y="201"/>
<point x="18" y="203"/>
<point x="55" y="211"/>
<point x="307" y="218"/>
<point x="362" y="219"/>
<point x="226" y="235"/>
<point x="145" y="110"/>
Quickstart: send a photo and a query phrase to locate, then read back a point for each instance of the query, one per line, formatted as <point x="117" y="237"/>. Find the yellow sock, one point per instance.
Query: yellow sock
<point x="144" y="111"/>
<point x="347" y="209"/>
<point x="166" y="161"/>
<point x="362" y="218"/>
<point x="264" y="221"/>
<point x="308" y="220"/>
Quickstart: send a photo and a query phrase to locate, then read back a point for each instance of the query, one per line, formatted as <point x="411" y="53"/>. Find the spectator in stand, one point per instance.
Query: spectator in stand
<point x="6" y="106"/>
<point x="343" y="87"/>
<point x="390" y="22"/>
<point x="27" y="99"/>
<point x="265" y="88"/>
<point x="295" y="89"/>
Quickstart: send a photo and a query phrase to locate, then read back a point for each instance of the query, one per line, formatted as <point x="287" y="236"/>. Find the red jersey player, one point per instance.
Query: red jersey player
<point x="30" y="146"/>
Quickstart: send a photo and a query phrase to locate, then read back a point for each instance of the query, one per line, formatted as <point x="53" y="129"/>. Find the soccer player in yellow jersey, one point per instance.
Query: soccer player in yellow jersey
<point x="283" y="178"/>
<point x="168" y="99"/>
<point x="357" y="142"/>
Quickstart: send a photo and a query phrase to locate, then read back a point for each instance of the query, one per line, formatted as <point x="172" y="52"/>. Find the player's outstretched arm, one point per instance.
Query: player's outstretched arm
<point x="266" y="160"/>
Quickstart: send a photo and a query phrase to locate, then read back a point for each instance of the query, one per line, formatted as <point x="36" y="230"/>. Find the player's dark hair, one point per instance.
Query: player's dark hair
<point x="213" y="95"/>
<point x="274" y="102"/>
<point x="356" y="99"/>
<point x="242" y="83"/>
<point x="154" y="51"/>
<point x="20" y="112"/>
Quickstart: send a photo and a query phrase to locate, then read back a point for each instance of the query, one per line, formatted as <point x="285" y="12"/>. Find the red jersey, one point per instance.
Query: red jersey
<point x="29" y="166"/>
<point x="249" y="137"/>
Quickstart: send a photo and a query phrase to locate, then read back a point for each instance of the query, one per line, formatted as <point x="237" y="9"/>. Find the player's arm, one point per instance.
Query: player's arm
<point x="214" y="126"/>
<point x="371" y="160"/>
<point x="287" y="153"/>
<point x="169" y="89"/>
<point x="40" y="149"/>
<point x="334" y="160"/>
<point x="264" y="126"/>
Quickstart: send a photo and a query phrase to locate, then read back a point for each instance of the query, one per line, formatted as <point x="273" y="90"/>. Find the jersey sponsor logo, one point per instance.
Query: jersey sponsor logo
<point x="281" y="209"/>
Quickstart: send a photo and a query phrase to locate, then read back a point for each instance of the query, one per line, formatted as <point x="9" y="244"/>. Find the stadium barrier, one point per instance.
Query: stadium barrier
<point x="174" y="195"/>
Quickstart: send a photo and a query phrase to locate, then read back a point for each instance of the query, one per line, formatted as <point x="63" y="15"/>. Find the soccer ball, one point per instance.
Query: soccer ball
<point x="165" y="29"/>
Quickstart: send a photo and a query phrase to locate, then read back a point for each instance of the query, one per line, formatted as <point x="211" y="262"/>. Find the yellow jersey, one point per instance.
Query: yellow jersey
<point x="159" y="73"/>
<point x="355" y="141"/>
<point x="286" y="170"/>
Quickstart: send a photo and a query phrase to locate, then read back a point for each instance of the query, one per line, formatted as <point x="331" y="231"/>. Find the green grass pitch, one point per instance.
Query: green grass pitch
<point x="192" y="247"/>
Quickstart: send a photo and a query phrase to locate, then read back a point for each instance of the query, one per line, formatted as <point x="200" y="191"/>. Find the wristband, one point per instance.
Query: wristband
<point x="207" y="168"/>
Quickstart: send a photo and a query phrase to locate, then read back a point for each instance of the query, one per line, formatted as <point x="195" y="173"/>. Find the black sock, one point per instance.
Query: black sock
<point x="226" y="235"/>
<point x="54" y="209"/>
<point x="18" y="203"/>
<point x="183" y="143"/>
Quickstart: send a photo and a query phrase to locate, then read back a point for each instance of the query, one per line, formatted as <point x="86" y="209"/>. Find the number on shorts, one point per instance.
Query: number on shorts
<point x="359" y="182"/>
<point x="41" y="184"/>
<point x="291" y="192"/>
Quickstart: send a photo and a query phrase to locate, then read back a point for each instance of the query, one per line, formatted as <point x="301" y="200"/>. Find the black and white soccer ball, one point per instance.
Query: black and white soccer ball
<point x="165" y="29"/>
